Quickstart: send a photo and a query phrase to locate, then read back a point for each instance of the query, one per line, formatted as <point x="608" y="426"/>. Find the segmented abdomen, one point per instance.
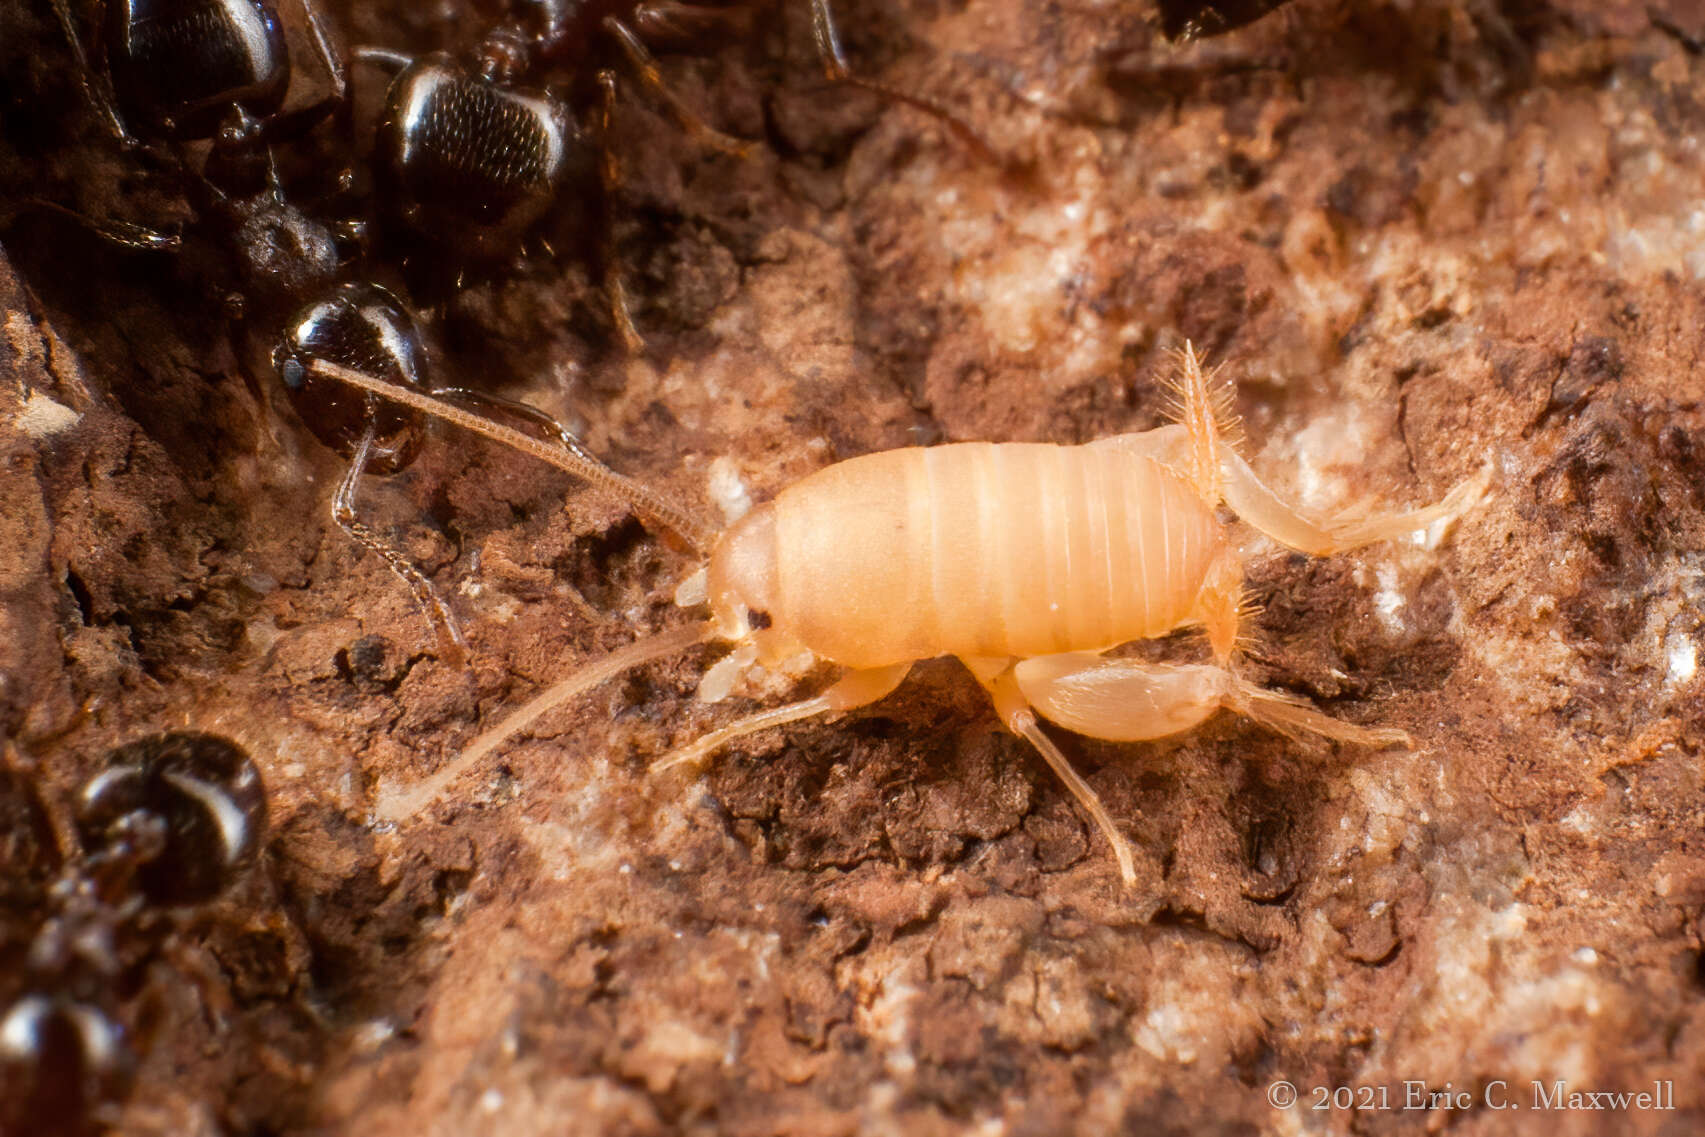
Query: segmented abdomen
<point x="989" y="550"/>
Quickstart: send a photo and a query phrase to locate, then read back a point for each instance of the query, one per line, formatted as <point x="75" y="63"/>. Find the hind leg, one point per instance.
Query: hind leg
<point x="1125" y="700"/>
<point x="1260" y="507"/>
<point x="1128" y="700"/>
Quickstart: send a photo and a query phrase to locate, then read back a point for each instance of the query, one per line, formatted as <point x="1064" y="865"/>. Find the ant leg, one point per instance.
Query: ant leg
<point x="854" y="689"/>
<point x="125" y="234"/>
<point x="610" y="174"/>
<point x="337" y="99"/>
<point x="382" y="57"/>
<point x="999" y="679"/>
<point x="1260" y="507"/>
<point x="646" y="68"/>
<point x="452" y="648"/>
<point x="97" y="94"/>
<point x="836" y="68"/>
<point x="685" y="25"/>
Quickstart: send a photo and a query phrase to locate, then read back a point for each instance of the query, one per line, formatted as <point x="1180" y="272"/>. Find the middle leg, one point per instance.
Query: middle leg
<point x="999" y="679"/>
<point x="854" y="689"/>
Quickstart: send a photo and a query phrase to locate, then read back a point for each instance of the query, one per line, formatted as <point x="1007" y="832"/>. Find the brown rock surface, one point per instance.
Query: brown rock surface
<point x="1422" y="236"/>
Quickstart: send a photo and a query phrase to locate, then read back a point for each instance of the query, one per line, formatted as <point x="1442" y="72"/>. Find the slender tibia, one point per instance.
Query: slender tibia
<point x="406" y="803"/>
<point x="1293" y="717"/>
<point x="652" y="504"/>
<point x="1024" y="723"/>
<point x="1260" y="507"/>
<point x="837" y="69"/>
<point x="645" y="67"/>
<point x="1015" y="712"/>
<point x="610" y="173"/>
<point x="854" y="689"/>
<point x="452" y="647"/>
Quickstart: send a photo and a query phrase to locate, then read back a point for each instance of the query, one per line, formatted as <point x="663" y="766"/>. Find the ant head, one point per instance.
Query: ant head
<point x="365" y="327"/>
<point x="187" y="809"/>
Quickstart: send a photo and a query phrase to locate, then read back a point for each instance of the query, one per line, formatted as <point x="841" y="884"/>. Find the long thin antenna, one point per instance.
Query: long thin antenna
<point x="649" y="502"/>
<point x="398" y="805"/>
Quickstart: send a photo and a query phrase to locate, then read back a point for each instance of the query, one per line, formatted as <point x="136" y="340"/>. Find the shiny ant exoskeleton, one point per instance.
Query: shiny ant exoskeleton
<point x="169" y="824"/>
<point x="163" y="74"/>
<point x="189" y="70"/>
<point x="470" y="156"/>
<point x="363" y="326"/>
<point x="1199" y="19"/>
<point x="180" y="71"/>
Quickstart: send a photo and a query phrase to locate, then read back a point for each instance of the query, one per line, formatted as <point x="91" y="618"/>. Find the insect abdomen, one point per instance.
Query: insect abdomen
<point x="980" y="549"/>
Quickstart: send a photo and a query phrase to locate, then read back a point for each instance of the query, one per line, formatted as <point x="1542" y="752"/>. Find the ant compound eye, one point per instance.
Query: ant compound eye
<point x="188" y="808"/>
<point x="59" y="1060"/>
<point x="293" y="373"/>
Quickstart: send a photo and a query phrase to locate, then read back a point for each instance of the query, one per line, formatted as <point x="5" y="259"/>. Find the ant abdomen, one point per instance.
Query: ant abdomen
<point x="177" y="66"/>
<point x="473" y="164"/>
<point x="189" y="807"/>
<point x="362" y="326"/>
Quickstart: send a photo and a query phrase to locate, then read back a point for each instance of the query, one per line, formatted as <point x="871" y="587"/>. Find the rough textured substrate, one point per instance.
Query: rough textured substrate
<point x="1423" y="237"/>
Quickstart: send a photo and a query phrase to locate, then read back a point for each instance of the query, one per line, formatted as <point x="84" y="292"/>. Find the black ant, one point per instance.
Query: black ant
<point x="166" y="826"/>
<point x="470" y="156"/>
<point x="188" y="70"/>
<point x="1199" y="19"/>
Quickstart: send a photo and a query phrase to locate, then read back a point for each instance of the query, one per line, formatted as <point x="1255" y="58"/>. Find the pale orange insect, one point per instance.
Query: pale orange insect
<point x="1026" y="561"/>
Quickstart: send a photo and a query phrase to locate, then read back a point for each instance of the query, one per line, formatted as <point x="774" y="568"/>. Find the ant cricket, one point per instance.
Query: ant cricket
<point x="1026" y="561"/>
